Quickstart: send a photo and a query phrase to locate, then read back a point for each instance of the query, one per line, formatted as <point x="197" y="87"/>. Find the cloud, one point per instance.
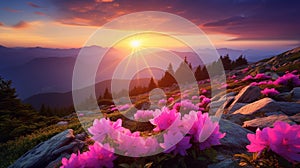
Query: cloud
<point x="235" y="20"/>
<point x="40" y="13"/>
<point x="11" y="10"/>
<point x="21" y="24"/>
<point x="33" y="5"/>
<point x="1" y="24"/>
<point x="243" y="19"/>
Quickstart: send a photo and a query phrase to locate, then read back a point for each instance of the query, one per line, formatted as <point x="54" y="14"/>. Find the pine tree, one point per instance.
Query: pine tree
<point x="107" y="94"/>
<point x="152" y="85"/>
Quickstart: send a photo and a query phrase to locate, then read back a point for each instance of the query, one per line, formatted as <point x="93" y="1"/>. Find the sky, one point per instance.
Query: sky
<point x="239" y="24"/>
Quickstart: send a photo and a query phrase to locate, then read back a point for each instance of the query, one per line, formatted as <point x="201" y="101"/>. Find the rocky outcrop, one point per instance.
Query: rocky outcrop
<point x="259" y="107"/>
<point x="248" y="94"/>
<point x="296" y="94"/>
<point x="46" y="153"/>
<point x="289" y="108"/>
<point x="266" y="121"/>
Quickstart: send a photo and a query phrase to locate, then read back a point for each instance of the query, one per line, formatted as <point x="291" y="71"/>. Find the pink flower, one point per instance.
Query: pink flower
<point x="282" y="139"/>
<point x="261" y="76"/>
<point x="204" y="102"/>
<point x="124" y="107"/>
<point x="162" y="102"/>
<point x="171" y="100"/>
<point x="236" y="81"/>
<point x="245" y="70"/>
<point x="248" y="77"/>
<point x="75" y="161"/>
<point x="195" y="97"/>
<point x="205" y="131"/>
<point x="101" y="128"/>
<point x="203" y="91"/>
<point x="259" y="141"/>
<point x="165" y="119"/>
<point x="269" y="92"/>
<point x="97" y="156"/>
<point x="143" y="115"/>
<point x="185" y="106"/>
<point x="233" y="77"/>
<point x="288" y="79"/>
<point x="169" y="144"/>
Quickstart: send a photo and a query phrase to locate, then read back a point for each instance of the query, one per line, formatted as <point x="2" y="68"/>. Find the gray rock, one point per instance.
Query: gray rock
<point x="235" y="107"/>
<point x="238" y="118"/>
<point x="266" y="121"/>
<point x="227" y="163"/>
<point x="248" y="94"/>
<point x="285" y="96"/>
<point x="259" y="108"/>
<point x="295" y="118"/>
<point x="289" y="108"/>
<point x="296" y="93"/>
<point x="48" y="151"/>
<point x="235" y="140"/>
<point x="62" y="123"/>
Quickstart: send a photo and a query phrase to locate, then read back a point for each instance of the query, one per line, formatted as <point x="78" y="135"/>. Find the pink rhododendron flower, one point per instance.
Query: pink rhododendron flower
<point x="195" y="97"/>
<point x="143" y="115"/>
<point x="288" y="79"/>
<point x="101" y="128"/>
<point x="224" y="86"/>
<point x="269" y="92"/>
<point x="233" y="77"/>
<point x="170" y="145"/>
<point x="248" y="77"/>
<point x="165" y="119"/>
<point x="205" y="131"/>
<point x="282" y="139"/>
<point x="204" y="101"/>
<point x="75" y="161"/>
<point x="236" y="81"/>
<point x="162" y="102"/>
<point x="261" y="76"/>
<point x="185" y="106"/>
<point x="124" y="107"/>
<point x="203" y="91"/>
<point x="97" y="156"/>
<point x="171" y="100"/>
<point x="245" y="70"/>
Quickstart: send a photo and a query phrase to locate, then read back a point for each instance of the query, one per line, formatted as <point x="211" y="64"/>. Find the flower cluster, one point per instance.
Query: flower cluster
<point x="261" y="76"/>
<point x="288" y="79"/>
<point x="97" y="156"/>
<point x="121" y="107"/>
<point x="144" y="115"/>
<point x="282" y="139"/>
<point x="269" y="92"/>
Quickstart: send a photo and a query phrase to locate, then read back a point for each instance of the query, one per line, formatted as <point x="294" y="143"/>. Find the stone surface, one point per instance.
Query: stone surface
<point x="49" y="151"/>
<point x="289" y="108"/>
<point x="248" y="94"/>
<point x="235" y="107"/>
<point x="296" y="93"/>
<point x="259" y="107"/>
<point x="227" y="163"/>
<point x="266" y="121"/>
<point x="235" y="140"/>
<point x="295" y="118"/>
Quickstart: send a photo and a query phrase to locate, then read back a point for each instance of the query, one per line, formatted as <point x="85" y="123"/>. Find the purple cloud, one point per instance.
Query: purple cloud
<point x="33" y="5"/>
<point x="21" y="24"/>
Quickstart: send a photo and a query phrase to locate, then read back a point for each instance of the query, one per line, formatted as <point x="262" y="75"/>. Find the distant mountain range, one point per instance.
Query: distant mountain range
<point x="45" y="70"/>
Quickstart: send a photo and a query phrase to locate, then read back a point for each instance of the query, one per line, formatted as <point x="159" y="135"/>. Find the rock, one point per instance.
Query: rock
<point x="259" y="108"/>
<point x="295" y="118"/>
<point x="289" y="108"/>
<point x="62" y="123"/>
<point x="220" y="104"/>
<point x="248" y="94"/>
<point x="235" y="140"/>
<point x="284" y="96"/>
<point x="266" y="122"/>
<point x="227" y="163"/>
<point x="235" y="107"/>
<point x="238" y="118"/>
<point x="296" y="93"/>
<point x="46" y="152"/>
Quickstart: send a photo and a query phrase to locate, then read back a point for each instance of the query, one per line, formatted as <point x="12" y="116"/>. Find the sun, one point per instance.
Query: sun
<point x="135" y="43"/>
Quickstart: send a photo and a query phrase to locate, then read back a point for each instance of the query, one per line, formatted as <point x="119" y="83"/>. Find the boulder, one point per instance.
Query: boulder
<point x="266" y="122"/>
<point x="259" y="108"/>
<point x="289" y="108"/>
<point x="296" y="93"/>
<point x="295" y="118"/>
<point x="248" y="94"/>
<point x="235" y="107"/>
<point x="46" y="152"/>
<point x="235" y="140"/>
<point x="227" y="163"/>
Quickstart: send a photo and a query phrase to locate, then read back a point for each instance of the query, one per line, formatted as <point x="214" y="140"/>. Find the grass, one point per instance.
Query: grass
<point x="12" y="150"/>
